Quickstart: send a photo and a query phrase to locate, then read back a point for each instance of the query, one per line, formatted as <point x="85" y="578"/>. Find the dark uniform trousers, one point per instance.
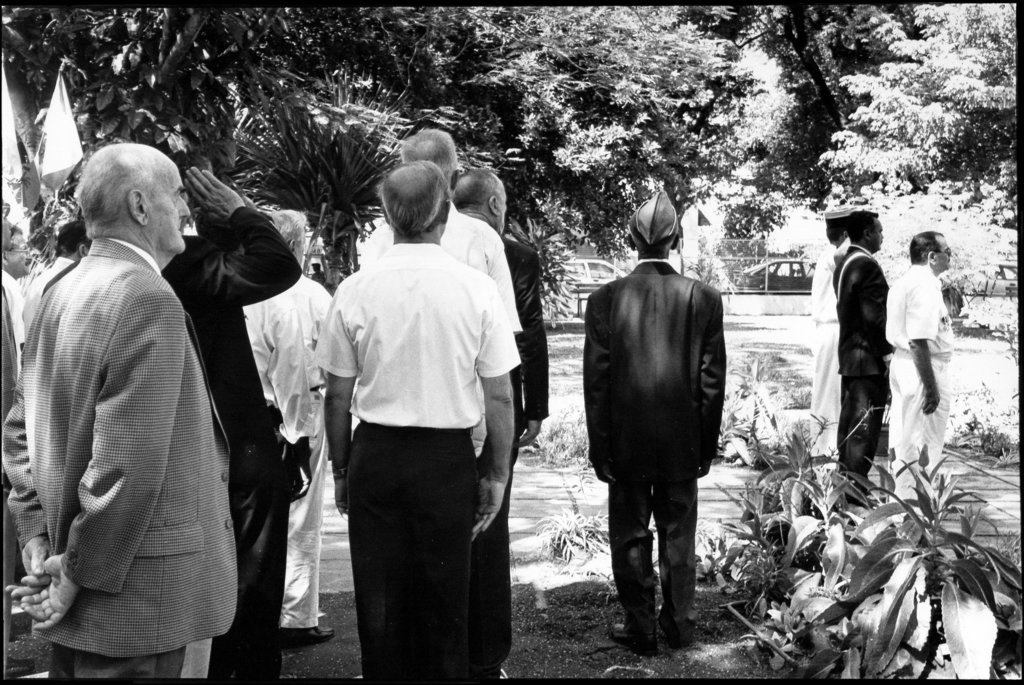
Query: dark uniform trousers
<point x="412" y="500"/>
<point x="860" y="420"/>
<point x="674" y="505"/>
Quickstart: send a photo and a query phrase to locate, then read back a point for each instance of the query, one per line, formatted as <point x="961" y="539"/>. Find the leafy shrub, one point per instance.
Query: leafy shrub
<point x="564" y="441"/>
<point x="569" y="535"/>
<point x="976" y="420"/>
<point x="881" y="590"/>
<point x="750" y="417"/>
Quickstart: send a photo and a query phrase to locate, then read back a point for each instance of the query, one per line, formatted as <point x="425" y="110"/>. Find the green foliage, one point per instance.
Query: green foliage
<point x="750" y="417"/>
<point x="571" y="535"/>
<point x="158" y="76"/>
<point x="564" y="442"/>
<point x="978" y="421"/>
<point x="942" y="107"/>
<point x="893" y="589"/>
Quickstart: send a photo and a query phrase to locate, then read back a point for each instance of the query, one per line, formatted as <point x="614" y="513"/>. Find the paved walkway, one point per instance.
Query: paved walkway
<point x="539" y="492"/>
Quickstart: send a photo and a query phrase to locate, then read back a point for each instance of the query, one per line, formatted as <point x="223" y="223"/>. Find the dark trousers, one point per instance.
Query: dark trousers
<point x="66" y="662"/>
<point x="674" y="506"/>
<point x="860" y="420"/>
<point x="490" y="588"/>
<point x="412" y="499"/>
<point x="251" y="648"/>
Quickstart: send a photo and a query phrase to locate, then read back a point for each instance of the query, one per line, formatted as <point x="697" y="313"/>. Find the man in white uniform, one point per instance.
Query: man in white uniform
<point x="72" y="245"/>
<point x="920" y="330"/>
<point x="284" y="331"/>
<point x="14" y="268"/>
<point x="825" y="386"/>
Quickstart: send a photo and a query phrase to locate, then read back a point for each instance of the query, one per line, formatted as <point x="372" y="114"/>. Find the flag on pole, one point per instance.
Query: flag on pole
<point x="60" y="148"/>
<point x="12" y="159"/>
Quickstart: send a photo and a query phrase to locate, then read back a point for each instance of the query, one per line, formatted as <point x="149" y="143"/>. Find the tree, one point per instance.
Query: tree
<point x="159" y="76"/>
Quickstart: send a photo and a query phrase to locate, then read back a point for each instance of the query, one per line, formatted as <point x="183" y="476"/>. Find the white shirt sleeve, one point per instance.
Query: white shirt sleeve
<point x="498" y="351"/>
<point x="335" y="351"/>
<point x="497" y="269"/>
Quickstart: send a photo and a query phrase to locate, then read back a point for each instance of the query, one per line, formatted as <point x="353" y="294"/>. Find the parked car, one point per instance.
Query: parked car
<point x="592" y="272"/>
<point x="775" y="276"/>
<point x="1002" y="283"/>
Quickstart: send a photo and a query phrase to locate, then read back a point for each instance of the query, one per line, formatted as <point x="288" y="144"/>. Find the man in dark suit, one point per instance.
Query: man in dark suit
<point x="481" y="195"/>
<point x="653" y="387"/>
<point x="240" y="259"/>
<point x="861" y="291"/>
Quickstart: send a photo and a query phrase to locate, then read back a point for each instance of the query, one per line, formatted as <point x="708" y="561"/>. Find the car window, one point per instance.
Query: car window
<point x="601" y="271"/>
<point x="798" y="269"/>
<point x="1008" y="273"/>
<point x="575" y="270"/>
<point x="782" y="269"/>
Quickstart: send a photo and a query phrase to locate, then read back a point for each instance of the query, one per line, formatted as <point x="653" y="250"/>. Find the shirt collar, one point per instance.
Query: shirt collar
<point x="645" y="261"/>
<point x="923" y="271"/>
<point x="142" y="253"/>
<point x="415" y="250"/>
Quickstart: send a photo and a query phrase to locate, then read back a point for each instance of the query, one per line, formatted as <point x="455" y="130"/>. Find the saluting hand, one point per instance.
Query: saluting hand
<point x="217" y="201"/>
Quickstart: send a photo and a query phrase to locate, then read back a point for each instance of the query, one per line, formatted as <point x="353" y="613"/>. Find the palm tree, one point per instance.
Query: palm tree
<point x="322" y="156"/>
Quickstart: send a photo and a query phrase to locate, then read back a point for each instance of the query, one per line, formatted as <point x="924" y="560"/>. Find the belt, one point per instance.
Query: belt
<point x="414" y="430"/>
<point x="935" y="356"/>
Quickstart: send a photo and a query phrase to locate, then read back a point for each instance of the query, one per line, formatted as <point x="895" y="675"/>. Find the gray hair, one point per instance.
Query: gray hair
<point x="292" y="227"/>
<point x="109" y="175"/>
<point x="413" y="195"/>
<point x="432" y="145"/>
<point x="475" y="188"/>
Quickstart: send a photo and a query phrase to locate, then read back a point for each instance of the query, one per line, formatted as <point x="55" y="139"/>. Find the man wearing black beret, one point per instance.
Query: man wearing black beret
<point x="653" y="388"/>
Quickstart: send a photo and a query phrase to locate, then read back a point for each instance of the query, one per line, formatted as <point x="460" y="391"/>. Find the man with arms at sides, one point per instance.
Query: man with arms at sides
<point x="284" y="331"/>
<point x="825" y="390"/>
<point x="653" y="390"/>
<point x="238" y="259"/>
<point x="861" y="291"/>
<point x="920" y="329"/>
<point x="122" y="503"/>
<point x="480" y="194"/>
<point x="409" y="338"/>
<point x="72" y="245"/>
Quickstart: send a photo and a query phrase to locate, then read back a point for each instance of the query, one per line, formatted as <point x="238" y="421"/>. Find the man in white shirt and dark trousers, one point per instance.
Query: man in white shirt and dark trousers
<point x="283" y="332"/>
<point x="826" y="394"/>
<point x="406" y="342"/>
<point x="920" y="330"/>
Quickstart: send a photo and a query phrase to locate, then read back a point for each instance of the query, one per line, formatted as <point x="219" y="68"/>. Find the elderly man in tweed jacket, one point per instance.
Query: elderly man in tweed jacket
<point x="119" y="469"/>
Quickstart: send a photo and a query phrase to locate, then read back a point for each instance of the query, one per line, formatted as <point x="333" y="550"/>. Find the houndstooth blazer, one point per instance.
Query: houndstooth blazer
<point x="114" y="454"/>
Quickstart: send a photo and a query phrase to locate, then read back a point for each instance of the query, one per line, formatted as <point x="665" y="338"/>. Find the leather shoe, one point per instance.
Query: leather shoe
<point x="644" y="645"/>
<point x="302" y="637"/>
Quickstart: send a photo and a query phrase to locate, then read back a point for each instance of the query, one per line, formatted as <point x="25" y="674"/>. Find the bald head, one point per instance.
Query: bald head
<point x="481" y="194"/>
<point x="134" y="193"/>
<point x="432" y="145"/>
<point x="415" y="198"/>
<point x="110" y="175"/>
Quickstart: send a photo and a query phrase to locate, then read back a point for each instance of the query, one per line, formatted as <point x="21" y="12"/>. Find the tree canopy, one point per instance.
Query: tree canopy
<point x="581" y="110"/>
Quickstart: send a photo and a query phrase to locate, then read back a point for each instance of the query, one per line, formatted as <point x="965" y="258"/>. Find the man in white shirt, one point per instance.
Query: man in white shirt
<point x="406" y="343"/>
<point x="72" y="245"/>
<point x="920" y="330"/>
<point x="825" y="386"/>
<point x="284" y="331"/>
<point x="469" y="240"/>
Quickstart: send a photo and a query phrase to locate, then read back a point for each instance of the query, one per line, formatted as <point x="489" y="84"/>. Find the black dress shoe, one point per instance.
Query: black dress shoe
<point x="302" y="637"/>
<point x="644" y="645"/>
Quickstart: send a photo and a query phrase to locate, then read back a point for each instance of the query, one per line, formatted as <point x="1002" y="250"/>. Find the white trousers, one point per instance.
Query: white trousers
<point x="826" y="386"/>
<point x="909" y="428"/>
<point x="301" y="605"/>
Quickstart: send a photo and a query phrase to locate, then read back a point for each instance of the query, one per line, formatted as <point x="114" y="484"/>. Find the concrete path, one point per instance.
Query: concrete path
<point x="539" y="492"/>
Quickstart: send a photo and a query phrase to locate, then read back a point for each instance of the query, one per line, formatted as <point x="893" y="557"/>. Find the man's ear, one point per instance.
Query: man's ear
<point x="83" y="250"/>
<point x="138" y="206"/>
<point x="492" y="204"/>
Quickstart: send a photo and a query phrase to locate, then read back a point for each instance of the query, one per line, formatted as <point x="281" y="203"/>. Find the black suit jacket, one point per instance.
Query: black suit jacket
<point x="860" y="306"/>
<point x="654" y="374"/>
<point x="248" y="264"/>
<point x="530" y="379"/>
